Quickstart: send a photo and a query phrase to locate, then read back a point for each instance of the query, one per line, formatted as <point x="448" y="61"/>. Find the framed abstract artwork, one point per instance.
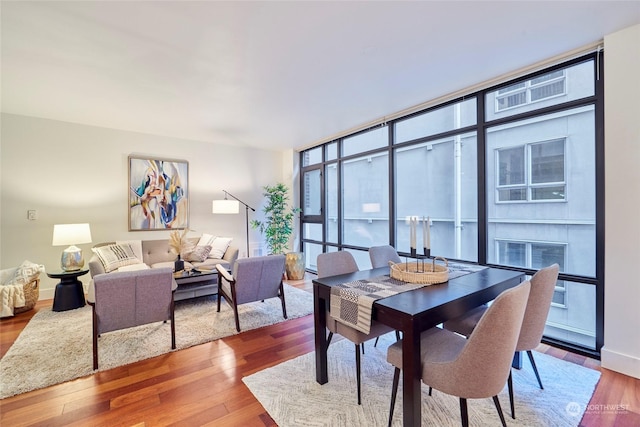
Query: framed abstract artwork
<point x="158" y="193"/>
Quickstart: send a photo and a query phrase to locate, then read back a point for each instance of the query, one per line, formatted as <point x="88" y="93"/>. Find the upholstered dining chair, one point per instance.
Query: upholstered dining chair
<point x="473" y="368"/>
<point x="252" y="279"/>
<point x="543" y="284"/>
<point x="334" y="264"/>
<point x="381" y="255"/>
<point x="123" y="300"/>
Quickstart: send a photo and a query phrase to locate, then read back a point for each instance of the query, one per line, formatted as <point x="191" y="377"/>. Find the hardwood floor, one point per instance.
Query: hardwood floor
<point x="202" y="385"/>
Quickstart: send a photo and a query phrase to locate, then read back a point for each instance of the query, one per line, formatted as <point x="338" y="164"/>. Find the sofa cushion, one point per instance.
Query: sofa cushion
<point x="199" y="253"/>
<point x="134" y="267"/>
<point x="219" y="247"/>
<point x="170" y="264"/>
<point x="115" y="256"/>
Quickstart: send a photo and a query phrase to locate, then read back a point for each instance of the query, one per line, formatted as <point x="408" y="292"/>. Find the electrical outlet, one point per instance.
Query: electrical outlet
<point x="32" y="215"/>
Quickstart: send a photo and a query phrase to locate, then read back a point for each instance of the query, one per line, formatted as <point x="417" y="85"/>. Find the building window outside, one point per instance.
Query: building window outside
<point x="423" y="165"/>
<point x="537" y="89"/>
<point x="535" y="255"/>
<point x="533" y="172"/>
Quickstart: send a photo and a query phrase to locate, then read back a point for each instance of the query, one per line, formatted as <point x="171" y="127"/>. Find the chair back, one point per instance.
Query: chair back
<point x="127" y="299"/>
<point x="258" y="278"/>
<point x="381" y="255"/>
<point x="336" y="263"/>
<point x="543" y="284"/>
<point x="483" y="365"/>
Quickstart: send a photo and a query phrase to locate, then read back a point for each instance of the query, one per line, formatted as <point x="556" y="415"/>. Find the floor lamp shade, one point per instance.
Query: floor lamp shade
<point x="225" y="207"/>
<point x="71" y="234"/>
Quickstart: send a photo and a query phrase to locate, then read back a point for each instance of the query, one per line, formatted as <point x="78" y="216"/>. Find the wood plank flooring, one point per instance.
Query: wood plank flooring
<point x="202" y="385"/>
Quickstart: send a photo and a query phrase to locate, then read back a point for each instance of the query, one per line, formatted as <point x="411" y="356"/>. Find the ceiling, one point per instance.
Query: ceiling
<point x="275" y="75"/>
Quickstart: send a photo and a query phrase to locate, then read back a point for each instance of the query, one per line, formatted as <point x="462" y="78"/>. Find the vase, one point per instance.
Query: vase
<point x="294" y="265"/>
<point x="178" y="264"/>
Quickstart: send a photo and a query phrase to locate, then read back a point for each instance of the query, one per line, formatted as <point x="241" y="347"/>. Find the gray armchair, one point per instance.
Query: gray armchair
<point x="127" y="299"/>
<point x="252" y="279"/>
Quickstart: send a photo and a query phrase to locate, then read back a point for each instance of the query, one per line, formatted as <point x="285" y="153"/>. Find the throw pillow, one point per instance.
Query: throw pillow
<point x="25" y="273"/>
<point x="115" y="256"/>
<point x="206" y="240"/>
<point x="219" y="247"/>
<point x="136" y="245"/>
<point x="199" y="254"/>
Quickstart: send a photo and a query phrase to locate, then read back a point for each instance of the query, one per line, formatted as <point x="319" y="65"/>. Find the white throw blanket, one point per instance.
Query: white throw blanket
<point x="11" y="296"/>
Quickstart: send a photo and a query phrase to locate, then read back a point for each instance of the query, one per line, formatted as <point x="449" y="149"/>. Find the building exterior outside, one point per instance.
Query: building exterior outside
<point x="538" y="146"/>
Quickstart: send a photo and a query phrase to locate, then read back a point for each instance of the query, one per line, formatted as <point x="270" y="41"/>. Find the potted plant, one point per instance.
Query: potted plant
<point x="277" y="227"/>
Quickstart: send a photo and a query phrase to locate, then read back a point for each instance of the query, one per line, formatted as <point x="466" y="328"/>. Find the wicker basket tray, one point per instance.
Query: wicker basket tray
<point x="31" y="295"/>
<point x="421" y="272"/>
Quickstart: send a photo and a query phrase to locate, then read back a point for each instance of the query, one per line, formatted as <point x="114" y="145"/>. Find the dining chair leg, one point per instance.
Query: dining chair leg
<point x="496" y="401"/>
<point x="535" y="369"/>
<point x="430" y="389"/>
<point x="510" y="386"/>
<point x="362" y="348"/>
<point x="329" y="339"/>
<point x="394" y="393"/>
<point x="464" y="415"/>
<point x="358" y="370"/>
<point x="398" y="336"/>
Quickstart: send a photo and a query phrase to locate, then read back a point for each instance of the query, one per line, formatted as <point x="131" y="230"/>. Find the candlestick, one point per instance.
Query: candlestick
<point x="424" y="232"/>
<point x="428" y="239"/>
<point x="412" y="232"/>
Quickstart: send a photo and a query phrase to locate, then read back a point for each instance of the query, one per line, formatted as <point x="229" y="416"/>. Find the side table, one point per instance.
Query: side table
<point x="69" y="292"/>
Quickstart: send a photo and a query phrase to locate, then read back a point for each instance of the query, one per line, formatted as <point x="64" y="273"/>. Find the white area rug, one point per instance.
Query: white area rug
<point x="291" y="395"/>
<point x="57" y="346"/>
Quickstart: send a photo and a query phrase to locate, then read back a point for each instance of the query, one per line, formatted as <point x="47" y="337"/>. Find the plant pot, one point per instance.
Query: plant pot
<point x="294" y="265"/>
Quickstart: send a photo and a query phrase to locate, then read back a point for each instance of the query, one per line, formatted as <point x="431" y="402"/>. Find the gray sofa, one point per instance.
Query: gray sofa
<point x="157" y="254"/>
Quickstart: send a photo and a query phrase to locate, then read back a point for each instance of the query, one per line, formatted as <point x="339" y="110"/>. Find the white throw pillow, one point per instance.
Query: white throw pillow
<point x="25" y="273"/>
<point x="113" y="257"/>
<point x="136" y="245"/>
<point x="206" y="240"/>
<point x="219" y="247"/>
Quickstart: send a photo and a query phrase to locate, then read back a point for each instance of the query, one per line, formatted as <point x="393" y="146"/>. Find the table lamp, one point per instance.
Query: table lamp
<point x="71" y="234"/>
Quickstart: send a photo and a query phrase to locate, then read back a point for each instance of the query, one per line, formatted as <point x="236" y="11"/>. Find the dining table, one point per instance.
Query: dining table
<point x="411" y="312"/>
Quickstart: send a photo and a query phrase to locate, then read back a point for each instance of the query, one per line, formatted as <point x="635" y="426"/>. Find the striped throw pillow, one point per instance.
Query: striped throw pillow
<point x="113" y="257"/>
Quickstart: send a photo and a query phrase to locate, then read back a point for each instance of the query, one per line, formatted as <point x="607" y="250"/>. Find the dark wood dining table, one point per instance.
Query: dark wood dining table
<point x="412" y="312"/>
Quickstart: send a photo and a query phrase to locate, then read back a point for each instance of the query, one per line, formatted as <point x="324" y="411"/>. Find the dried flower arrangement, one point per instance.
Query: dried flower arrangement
<point x="178" y="241"/>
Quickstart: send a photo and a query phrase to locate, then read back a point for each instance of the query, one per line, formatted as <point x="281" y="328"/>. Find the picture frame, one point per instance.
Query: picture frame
<point x="158" y="193"/>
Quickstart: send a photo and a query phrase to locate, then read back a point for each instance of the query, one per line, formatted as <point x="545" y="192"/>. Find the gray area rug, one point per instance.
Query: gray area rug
<point x="57" y="346"/>
<point x="292" y="397"/>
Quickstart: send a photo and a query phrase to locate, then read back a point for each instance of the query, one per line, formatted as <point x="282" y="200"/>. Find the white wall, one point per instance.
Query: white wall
<point x="621" y="351"/>
<point x="74" y="173"/>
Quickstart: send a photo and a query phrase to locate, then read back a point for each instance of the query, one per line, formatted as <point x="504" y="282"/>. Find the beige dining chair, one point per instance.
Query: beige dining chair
<point x="543" y="284"/>
<point x="334" y="264"/>
<point x="473" y="368"/>
<point x="381" y="255"/>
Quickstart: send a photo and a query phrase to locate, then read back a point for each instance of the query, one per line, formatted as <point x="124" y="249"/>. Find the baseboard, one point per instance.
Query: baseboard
<point x="624" y="363"/>
<point x="46" y="293"/>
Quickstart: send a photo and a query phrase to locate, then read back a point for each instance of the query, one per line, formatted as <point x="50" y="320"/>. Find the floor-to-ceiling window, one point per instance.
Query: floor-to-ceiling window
<point x="508" y="176"/>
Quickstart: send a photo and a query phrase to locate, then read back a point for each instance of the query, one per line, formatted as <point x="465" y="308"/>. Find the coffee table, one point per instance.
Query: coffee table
<point x="194" y="283"/>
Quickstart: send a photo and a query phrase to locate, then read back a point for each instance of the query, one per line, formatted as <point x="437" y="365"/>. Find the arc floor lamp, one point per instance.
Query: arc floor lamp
<point x="227" y="206"/>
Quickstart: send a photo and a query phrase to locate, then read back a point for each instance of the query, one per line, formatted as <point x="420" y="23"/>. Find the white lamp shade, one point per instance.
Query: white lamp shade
<point x="225" y="207"/>
<point x="71" y="234"/>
